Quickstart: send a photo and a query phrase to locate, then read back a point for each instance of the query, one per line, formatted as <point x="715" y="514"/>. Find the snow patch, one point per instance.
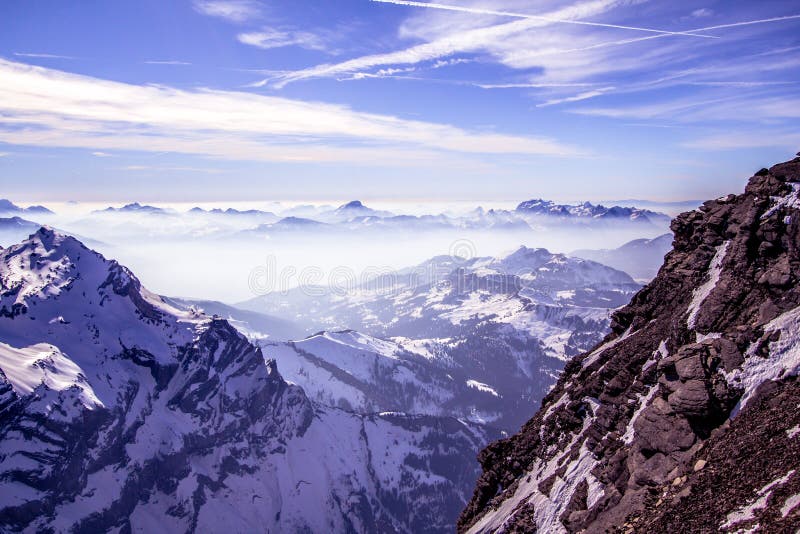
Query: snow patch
<point x="658" y="354"/>
<point x="547" y="508"/>
<point x="562" y="400"/>
<point x="783" y="359"/>
<point x="596" y="353"/>
<point x="643" y="401"/>
<point x="700" y="294"/>
<point x="792" y="200"/>
<point x="29" y="368"/>
<point x="790" y="504"/>
<point x="747" y="512"/>
<point x="705" y="337"/>
<point x="480" y="386"/>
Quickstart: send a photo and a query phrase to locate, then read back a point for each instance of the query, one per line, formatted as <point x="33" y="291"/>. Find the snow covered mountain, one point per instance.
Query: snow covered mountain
<point x="356" y="221"/>
<point x="640" y="258"/>
<point x="121" y="412"/>
<point x="538" y="214"/>
<point x="135" y="207"/>
<point x="501" y="326"/>
<point x="589" y="211"/>
<point x="8" y="207"/>
<point x="289" y="224"/>
<point x="685" y="418"/>
<point x="354" y="209"/>
<point x="446" y="292"/>
<point x="364" y="374"/>
<point x="235" y="212"/>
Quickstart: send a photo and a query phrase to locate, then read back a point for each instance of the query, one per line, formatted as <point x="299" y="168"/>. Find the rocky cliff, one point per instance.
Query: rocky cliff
<point x="686" y="418"/>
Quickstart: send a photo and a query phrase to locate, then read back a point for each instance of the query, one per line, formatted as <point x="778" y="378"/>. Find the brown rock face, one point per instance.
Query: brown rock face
<point x="687" y="417"/>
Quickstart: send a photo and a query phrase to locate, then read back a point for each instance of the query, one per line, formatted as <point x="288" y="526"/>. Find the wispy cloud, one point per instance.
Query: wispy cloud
<point x="401" y="72"/>
<point x="484" y="38"/>
<point x="171" y="168"/>
<point x="268" y="38"/>
<point x="102" y="155"/>
<point x="45" y="107"/>
<point x="42" y="56"/>
<point x="738" y="106"/>
<point x="167" y="62"/>
<point x="531" y="85"/>
<point x="231" y="10"/>
<point x="515" y="44"/>
<point x="382" y="73"/>
<point x="788" y="140"/>
<point x="702" y="13"/>
<point x="576" y="98"/>
<point x="561" y="57"/>
<point x="545" y="18"/>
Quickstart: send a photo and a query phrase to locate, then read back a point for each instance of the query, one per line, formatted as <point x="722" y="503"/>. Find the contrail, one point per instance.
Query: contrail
<point x="478" y="11"/>
<point x="721" y="26"/>
<point x="530" y="85"/>
<point x="658" y="36"/>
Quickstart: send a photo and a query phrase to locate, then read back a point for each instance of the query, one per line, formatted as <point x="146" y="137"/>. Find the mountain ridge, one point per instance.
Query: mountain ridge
<point x="638" y="431"/>
<point x="120" y="411"/>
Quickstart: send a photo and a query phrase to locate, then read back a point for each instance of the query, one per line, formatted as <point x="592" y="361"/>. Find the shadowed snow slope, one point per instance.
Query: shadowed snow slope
<point x="121" y="412"/>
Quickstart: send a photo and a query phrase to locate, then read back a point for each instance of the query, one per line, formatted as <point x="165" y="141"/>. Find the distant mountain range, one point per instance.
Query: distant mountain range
<point x="135" y="207"/>
<point x="356" y="216"/>
<point x="588" y="210"/>
<point x="8" y="207"/>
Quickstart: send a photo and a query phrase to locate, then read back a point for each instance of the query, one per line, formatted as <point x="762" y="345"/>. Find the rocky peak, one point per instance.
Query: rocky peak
<point x="626" y="439"/>
<point x="352" y="205"/>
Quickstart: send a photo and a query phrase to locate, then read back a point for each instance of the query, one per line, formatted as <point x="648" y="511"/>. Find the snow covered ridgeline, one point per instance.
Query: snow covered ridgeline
<point x="508" y="323"/>
<point x="119" y="411"/>
<point x="452" y="290"/>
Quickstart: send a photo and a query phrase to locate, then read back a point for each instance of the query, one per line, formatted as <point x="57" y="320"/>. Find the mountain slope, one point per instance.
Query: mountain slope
<point x="364" y="374"/>
<point x="507" y="323"/>
<point x="640" y="258"/>
<point x="685" y="418"/>
<point x="121" y="412"/>
<point x="450" y="292"/>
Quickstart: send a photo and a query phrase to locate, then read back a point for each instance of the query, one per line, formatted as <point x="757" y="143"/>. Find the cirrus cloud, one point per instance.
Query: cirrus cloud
<point x="231" y="10"/>
<point x="46" y="107"/>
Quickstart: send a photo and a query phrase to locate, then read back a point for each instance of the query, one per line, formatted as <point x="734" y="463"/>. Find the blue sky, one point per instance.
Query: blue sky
<point x="245" y="100"/>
